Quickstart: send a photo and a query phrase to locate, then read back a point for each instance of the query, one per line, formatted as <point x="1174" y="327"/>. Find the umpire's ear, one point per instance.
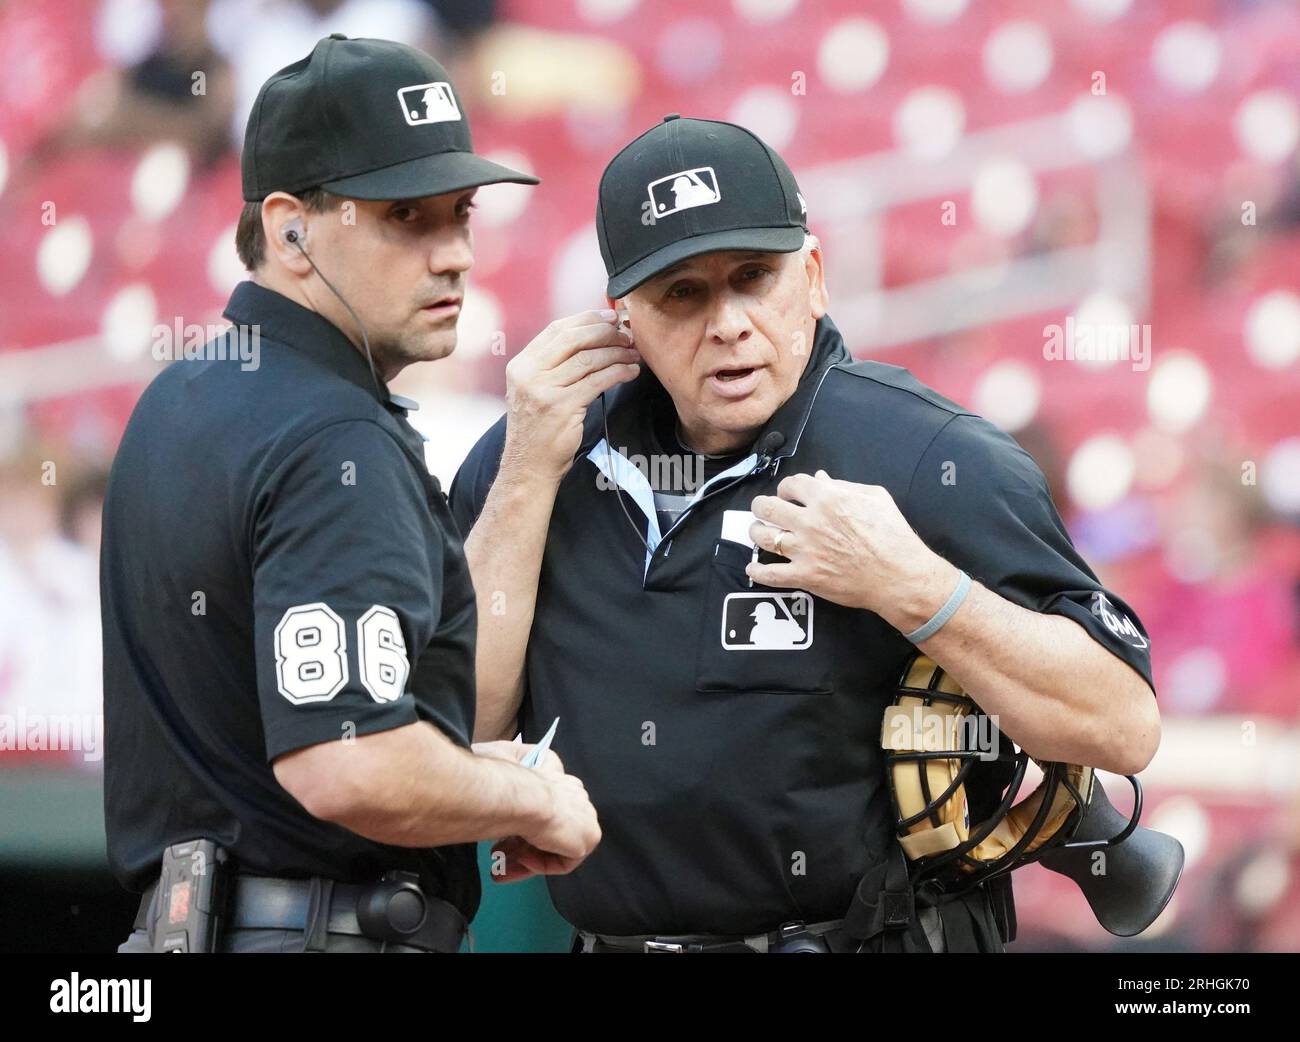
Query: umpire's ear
<point x="818" y="297"/>
<point x="278" y="210"/>
<point x="620" y="305"/>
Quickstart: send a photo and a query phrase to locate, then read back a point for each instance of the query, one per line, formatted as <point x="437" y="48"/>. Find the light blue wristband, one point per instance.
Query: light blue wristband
<point x="945" y="613"/>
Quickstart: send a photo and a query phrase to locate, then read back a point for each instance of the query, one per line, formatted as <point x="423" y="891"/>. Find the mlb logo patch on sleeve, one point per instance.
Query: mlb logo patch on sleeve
<point x="767" y="621"/>
<point x="428" y="103"/>
<point x="1117" y="622"/>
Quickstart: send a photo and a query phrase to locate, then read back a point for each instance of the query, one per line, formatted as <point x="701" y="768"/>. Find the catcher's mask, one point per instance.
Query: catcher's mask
<point x="940" y="765"/>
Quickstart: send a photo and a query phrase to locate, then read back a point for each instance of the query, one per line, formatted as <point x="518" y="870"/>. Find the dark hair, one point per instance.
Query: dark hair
<point x="250" y="240"/>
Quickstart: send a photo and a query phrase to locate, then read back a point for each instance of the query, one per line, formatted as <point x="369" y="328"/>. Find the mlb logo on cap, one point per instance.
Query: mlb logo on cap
<point x="327" y="121"/>
<point x="640" y="237"/>
<point x="428" y="103"/>
<point x="682" y="190"/>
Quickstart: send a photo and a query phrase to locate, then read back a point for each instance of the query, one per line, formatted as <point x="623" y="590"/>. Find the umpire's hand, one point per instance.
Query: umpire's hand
<point x="553" y="380"/>
<point x="563" y="837"/>
<point x="517" y="752"/>
<point x="847" y="543"/>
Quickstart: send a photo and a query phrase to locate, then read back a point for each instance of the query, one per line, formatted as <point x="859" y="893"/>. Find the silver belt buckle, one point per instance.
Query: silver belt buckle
<point x="662" y="947"/>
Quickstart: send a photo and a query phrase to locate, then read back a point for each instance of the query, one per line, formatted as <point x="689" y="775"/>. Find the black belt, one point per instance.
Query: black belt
<point x="678" y="944"/>
<point x="269" y="903"/>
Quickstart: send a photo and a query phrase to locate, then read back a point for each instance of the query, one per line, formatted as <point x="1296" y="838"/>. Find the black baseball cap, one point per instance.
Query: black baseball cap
<point x="692" y="186"/>
<point x="369" y="119"/>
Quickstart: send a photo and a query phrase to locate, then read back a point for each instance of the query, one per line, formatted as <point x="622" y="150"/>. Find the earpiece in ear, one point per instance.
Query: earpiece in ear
<point x="293" y="232"/>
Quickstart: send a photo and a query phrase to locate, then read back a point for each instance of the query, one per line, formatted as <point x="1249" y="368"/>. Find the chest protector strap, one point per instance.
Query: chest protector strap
<point x="883" y="915"/>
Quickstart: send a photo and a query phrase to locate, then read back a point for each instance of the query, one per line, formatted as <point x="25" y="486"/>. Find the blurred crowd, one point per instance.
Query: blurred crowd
<point x="1180" y="482"/>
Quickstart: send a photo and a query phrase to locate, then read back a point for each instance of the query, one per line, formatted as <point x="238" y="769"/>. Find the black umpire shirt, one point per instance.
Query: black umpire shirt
<point x="729" y="734"/>
<point x="279" y="569"/>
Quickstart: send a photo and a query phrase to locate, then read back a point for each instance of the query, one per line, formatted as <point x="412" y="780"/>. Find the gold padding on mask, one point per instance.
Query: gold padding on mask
<point x="920" y="722"/>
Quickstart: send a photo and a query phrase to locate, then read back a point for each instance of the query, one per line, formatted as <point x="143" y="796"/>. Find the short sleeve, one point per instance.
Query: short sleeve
<point x="346" y="567"/>
<point x="473" y="481"/>
<point x="979" y="500"/>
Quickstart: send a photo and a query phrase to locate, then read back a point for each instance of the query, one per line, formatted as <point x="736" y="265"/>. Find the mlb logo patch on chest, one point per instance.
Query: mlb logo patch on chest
<point x="767" y="621"/>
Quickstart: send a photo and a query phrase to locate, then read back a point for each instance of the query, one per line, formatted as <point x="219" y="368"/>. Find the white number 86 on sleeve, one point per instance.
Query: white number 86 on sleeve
<point x="311" y="661"/>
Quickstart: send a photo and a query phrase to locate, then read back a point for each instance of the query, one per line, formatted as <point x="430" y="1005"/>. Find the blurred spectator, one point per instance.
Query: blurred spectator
<point x="1250" y="901"/>
<point x="1232" y="243"/>
<point x="260" y="37"/>
<point x="1226" y="616"/>
<point x="81" y="511"/>
<point x="180" y="91"/>
<point x="49" y="589"/>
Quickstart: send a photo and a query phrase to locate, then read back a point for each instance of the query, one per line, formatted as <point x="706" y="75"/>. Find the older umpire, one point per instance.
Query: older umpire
<point x="288" y="617"/>
<point x="721" y="630"/>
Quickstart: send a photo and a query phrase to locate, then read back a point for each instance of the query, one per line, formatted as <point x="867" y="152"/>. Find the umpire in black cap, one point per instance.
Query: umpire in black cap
<point x="716" y="577"/>
<point x="289" y="624"/>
